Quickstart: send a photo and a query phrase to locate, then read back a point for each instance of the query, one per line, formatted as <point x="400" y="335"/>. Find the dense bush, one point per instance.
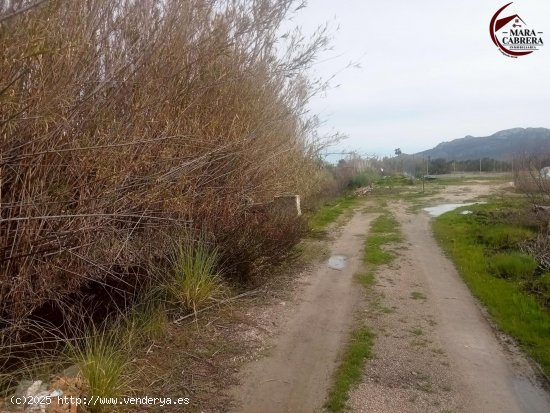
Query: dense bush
<point x="512" y="265"/>
<point x="541" y="286"/>
<point x="125" y="123"/>
<point x="362" y="179"/>
<point x="501" y="236"/>
<point x="539" y="248"/>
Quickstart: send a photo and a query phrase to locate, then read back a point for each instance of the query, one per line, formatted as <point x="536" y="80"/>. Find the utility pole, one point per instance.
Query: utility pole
<point x="479" y="165"/>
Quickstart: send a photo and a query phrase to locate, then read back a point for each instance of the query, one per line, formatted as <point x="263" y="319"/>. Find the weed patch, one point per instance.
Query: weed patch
<point x="385" y="224"/>
<point x="417" y="331"/>
<point x="349" y="373"/>
<point x="148" y="319"/>
<point x="366" y="279"/>
<point x="502" y="236"/>
<point x="102" y="357"/>
<point x="415" y="295"/>
<point x="512" y="265"/>
<point x="384" y="231"/>
<point x="330" y="212"/>
<point x="195" y="279"/>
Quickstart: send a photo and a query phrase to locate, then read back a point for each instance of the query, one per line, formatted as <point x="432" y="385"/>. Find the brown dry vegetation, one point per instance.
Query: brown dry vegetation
<point x="528" y="180"/>
<point x="125" y="123"/>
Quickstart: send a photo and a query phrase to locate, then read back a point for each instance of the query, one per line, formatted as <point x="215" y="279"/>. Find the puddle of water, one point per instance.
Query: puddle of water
<point x="337" y="262"/>
<point x="438" y="210"/>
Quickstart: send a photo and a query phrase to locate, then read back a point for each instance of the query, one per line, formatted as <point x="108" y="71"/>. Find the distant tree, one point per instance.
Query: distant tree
<point x="440" y="166"/>
<point x="398" y="152"/>
<point x="530" y="178"/>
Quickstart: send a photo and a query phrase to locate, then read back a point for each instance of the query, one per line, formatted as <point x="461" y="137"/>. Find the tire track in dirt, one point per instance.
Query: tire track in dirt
<point x="435" y="349"/>
<point x="296" y="374"/>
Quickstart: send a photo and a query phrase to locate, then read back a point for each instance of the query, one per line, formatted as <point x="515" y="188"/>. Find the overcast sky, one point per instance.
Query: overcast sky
<point x="430" y="72"/>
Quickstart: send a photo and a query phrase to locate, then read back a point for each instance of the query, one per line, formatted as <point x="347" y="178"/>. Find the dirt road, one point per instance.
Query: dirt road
<point x="435" y="350"/>
<point x="296" y="374"/>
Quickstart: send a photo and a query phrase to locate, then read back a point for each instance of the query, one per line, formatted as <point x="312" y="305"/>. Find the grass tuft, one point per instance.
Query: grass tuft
<point x="195" y="279"/>
<point x="148" y="319"/>
<point x="102" y="358"/>
<point x="349" y="373"/>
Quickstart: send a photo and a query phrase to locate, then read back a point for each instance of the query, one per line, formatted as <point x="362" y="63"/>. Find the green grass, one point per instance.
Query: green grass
<point x="366" y="279"/>
<point x="415" y="295"/>
<point x="514" y="310"/>
<point x="384" y="231"/>
<point x="501" y="236"/>
<point x="195" y="279"/>
<point x="385" y="224"/>
<point x="147" y="319"/>
<point x="350" y="371"/>
<point x="512" y="265"/>
<point x="375" y="254"/>
<point x="542" y="285"/>
<point x="398" y="180"/>
<point x="331" y="211"/>
<point x="102" y="357"/>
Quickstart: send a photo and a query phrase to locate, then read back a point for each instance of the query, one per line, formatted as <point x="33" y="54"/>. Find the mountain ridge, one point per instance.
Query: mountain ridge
<point x="502" y="145"/>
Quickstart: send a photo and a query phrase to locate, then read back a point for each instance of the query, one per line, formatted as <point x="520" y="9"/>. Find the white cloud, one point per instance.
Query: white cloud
<point x="429" y="72"/>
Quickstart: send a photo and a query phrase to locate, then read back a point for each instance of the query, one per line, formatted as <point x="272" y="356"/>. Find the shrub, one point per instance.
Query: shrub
<point x="267" y="237"/>
<point x="541" y="287"/>
<point x="362" y="179"/>
<point x="124" y="122"/>
<point x="539" y="248"/>
<point x="501" y="236"/>
<point x="512" y="265"/>
<point x="544" y="282"/>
